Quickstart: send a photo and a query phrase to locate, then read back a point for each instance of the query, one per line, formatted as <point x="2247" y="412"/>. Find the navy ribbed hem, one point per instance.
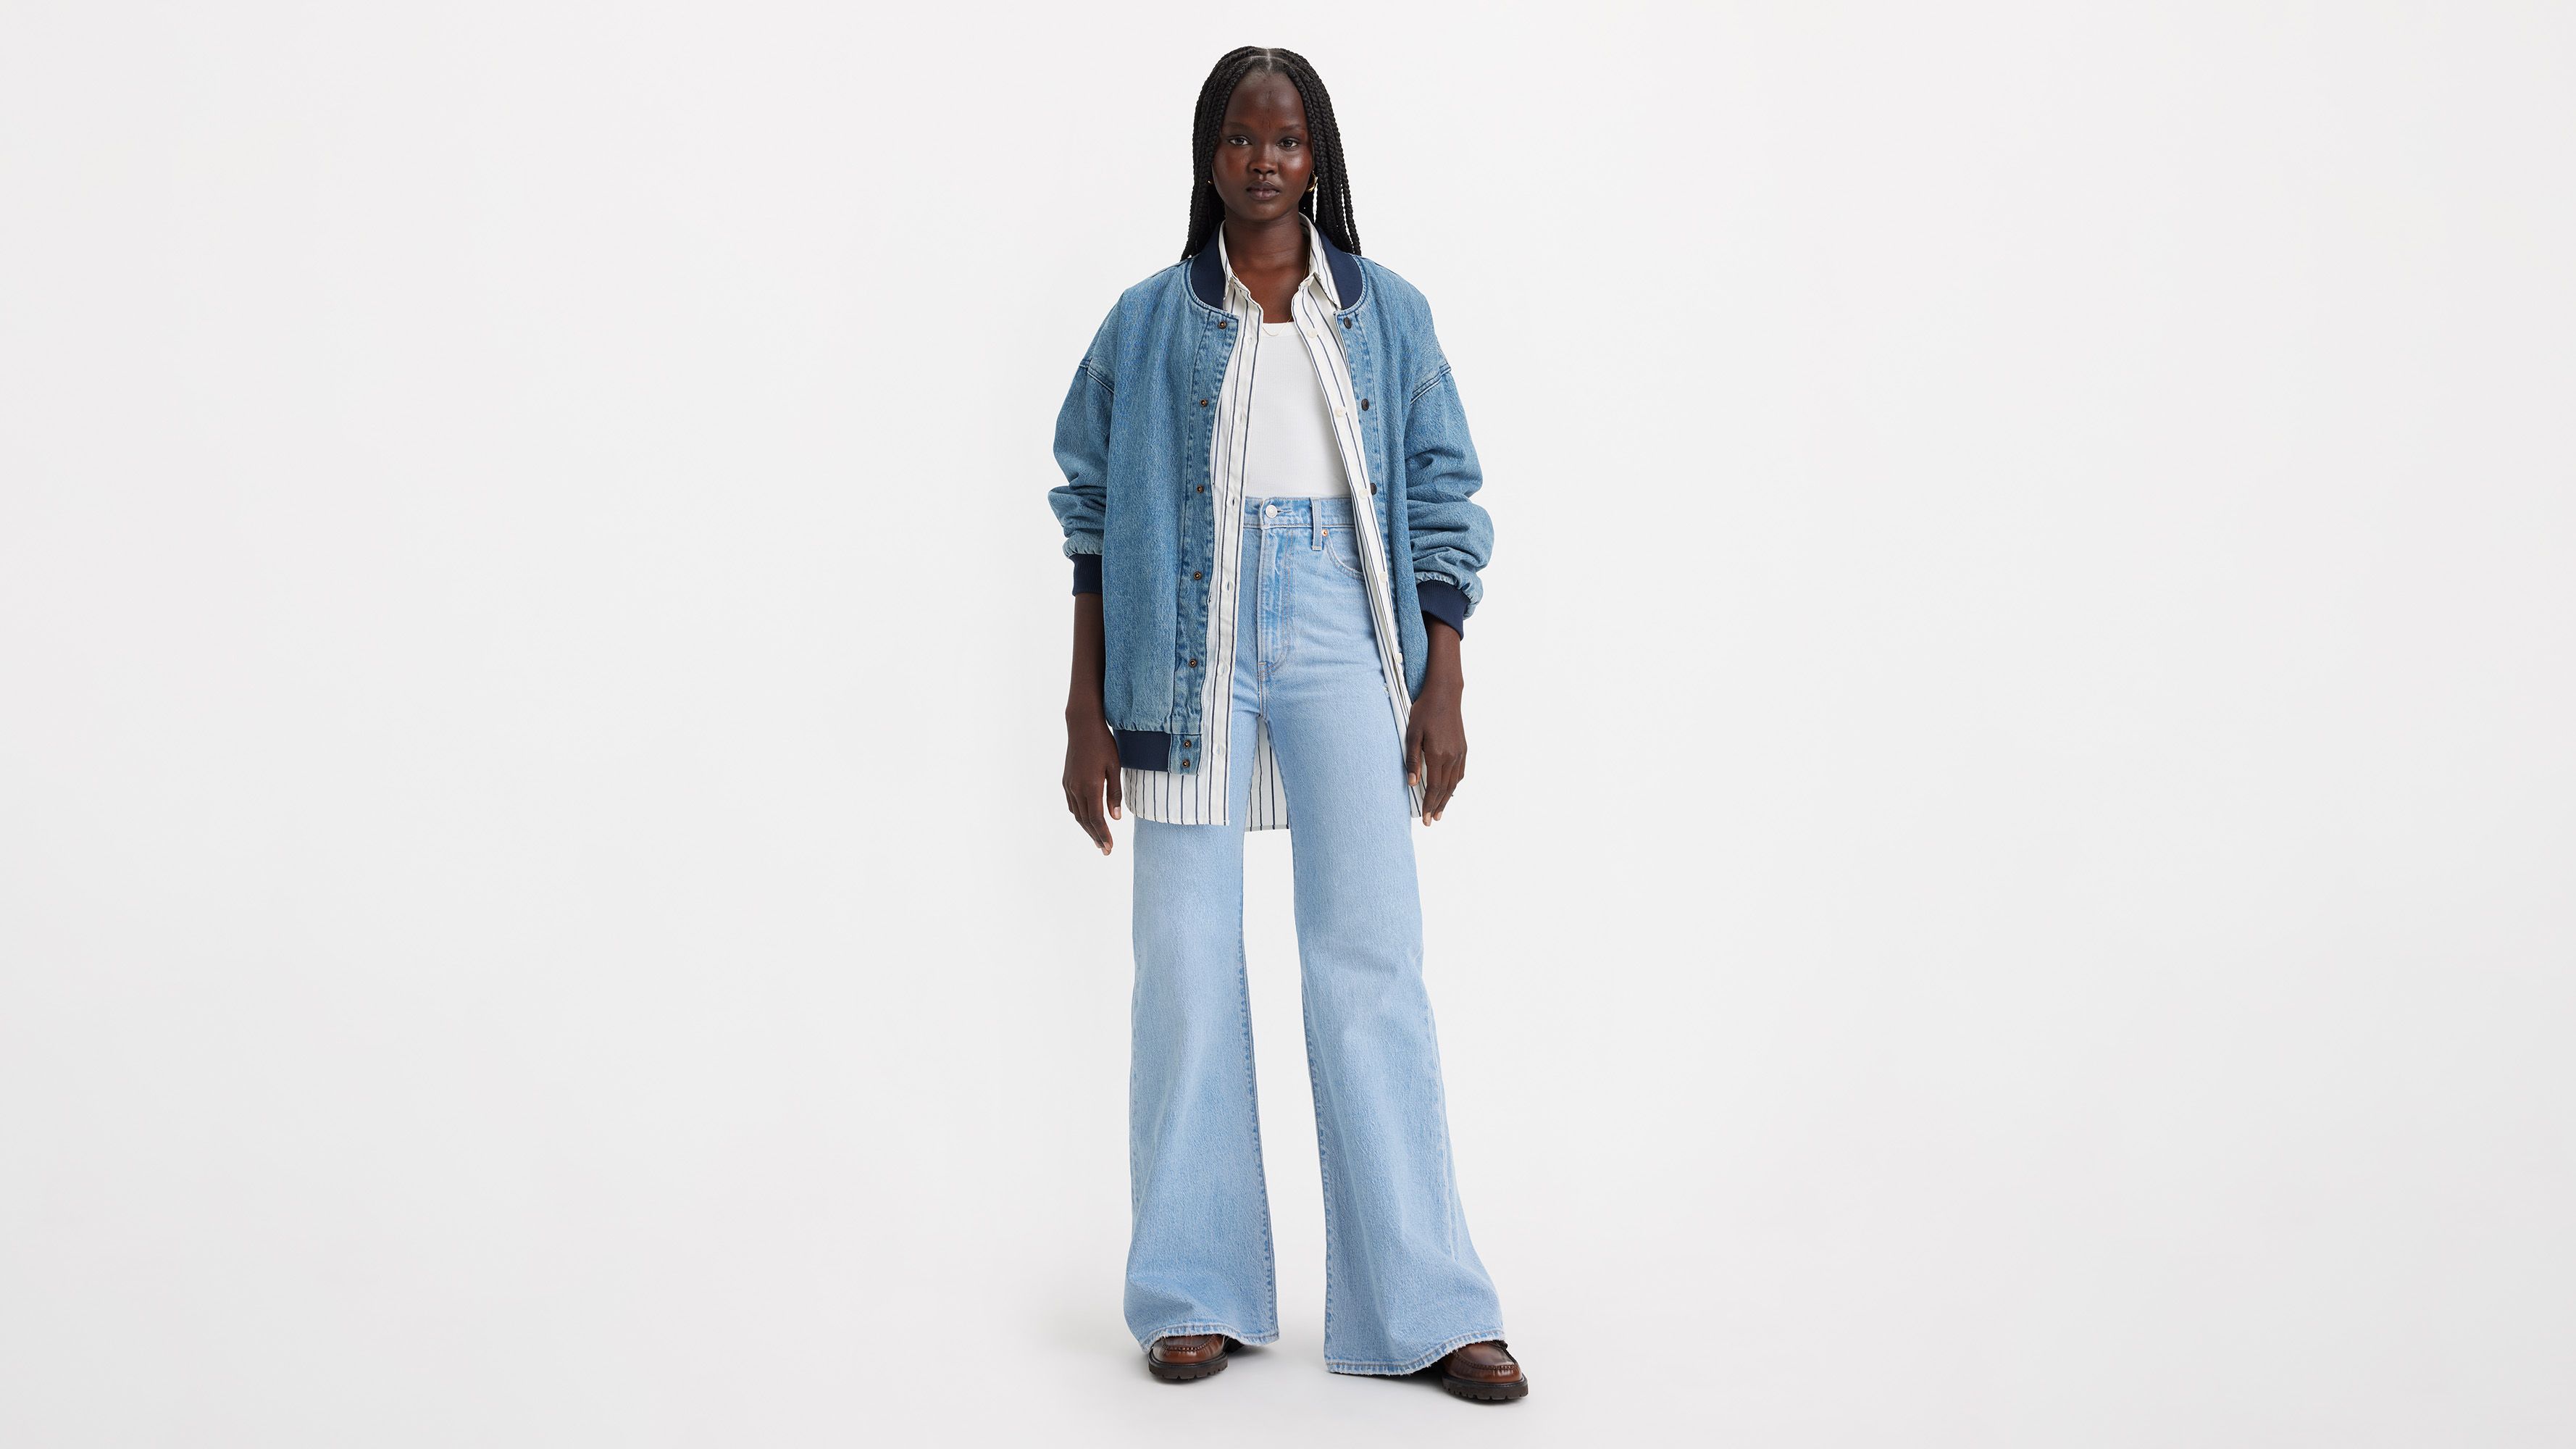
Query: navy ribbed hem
<point x="1086" y="573"/>
<point x="1144" y="749"/>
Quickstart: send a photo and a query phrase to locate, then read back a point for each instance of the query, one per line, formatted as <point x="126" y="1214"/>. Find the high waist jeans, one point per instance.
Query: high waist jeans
<point x="1402" y="1283"/>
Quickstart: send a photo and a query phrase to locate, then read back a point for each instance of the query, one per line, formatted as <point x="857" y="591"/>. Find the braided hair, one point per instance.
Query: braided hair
<point x="1329" y="204"/>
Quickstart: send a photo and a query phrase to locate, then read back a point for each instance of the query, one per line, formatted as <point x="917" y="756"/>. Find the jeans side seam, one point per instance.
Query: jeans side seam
<point x="1440" y="1099"/>
<point x="1323" y="1138"/>
<point x="1252" y="1085"/>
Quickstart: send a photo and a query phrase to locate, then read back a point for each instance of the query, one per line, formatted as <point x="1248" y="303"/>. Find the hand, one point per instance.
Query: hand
<point x="1435" y="742"/>
<point x="1091" y="776"/>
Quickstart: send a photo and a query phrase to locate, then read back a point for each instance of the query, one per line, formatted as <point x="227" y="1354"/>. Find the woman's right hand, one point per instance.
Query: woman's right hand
<point x="1091" y="776"/>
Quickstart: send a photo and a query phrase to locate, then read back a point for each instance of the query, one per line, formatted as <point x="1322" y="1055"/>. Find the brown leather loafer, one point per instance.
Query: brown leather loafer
<point x="1484" y="1371"/>
<point x="1179" y="1357"/>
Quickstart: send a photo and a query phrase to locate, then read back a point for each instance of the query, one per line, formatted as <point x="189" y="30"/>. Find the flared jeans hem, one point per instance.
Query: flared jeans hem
<point x="1209" y="1326"/>
<point x="1417" y="1364"/>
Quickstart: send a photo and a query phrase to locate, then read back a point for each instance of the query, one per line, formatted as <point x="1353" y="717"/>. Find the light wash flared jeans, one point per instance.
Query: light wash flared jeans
<point x="1402" y="1283"/>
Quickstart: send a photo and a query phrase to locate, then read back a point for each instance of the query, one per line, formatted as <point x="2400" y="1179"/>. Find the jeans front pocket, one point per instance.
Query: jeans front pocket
<point x="1342" y="546"/>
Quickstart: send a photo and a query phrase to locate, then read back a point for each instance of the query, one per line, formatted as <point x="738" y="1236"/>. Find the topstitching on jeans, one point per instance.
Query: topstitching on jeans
<point x="1210" y="1325"/>
<point x="1276" y="557"/>
<point x="1323" y="1146"/>
<point x="1440" y="1095"/>
<point x="1337" y="537"/>
<point x="1419" y="1363"/>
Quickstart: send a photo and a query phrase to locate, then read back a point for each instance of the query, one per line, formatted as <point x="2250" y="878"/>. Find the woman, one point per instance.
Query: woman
<point x="1267" y="505"/>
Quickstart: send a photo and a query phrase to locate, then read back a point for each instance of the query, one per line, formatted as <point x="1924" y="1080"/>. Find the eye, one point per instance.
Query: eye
<point x="1287" y="140"/>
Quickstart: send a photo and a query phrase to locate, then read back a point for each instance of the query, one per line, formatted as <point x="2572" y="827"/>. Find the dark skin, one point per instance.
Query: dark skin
<point x="1262" y="167"/>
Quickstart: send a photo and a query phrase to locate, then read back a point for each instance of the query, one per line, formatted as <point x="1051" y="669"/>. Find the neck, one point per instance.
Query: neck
<point x="1265" y="244"/>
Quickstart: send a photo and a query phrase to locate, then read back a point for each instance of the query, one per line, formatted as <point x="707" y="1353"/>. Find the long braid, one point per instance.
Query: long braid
<point x="1330" y="205"/>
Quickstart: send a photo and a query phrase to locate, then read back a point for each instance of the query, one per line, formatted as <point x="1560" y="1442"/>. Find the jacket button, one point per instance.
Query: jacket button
<point x="1185" y="764"/>
<point x="1194" y="664"/>
<point x="1202" y="402"/>
<point x="1363" y="404"/>
<point x="1220" y="327"/>
<point x="1372" y="485"/>
<point x="1203" y="488"/>
<point x="1346" y="324"/>
<point x="1194" y="573"/>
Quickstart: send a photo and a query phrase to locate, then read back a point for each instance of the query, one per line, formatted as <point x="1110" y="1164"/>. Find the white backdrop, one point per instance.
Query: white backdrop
<point x="535" y="906"/>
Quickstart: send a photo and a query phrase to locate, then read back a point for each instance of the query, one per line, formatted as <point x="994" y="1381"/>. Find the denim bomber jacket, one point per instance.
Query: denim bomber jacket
<point x="1134" y="439"/>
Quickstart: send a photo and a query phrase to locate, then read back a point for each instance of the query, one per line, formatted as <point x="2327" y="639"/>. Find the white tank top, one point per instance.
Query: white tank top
<point x="1290" y="453"/>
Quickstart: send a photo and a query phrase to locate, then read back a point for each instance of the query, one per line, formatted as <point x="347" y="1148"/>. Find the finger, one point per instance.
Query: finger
<point x="1449" y="771"/>
<point x="1085" y="805"/>
<point x="1431" y="792"/>
<point x="1116" y="781"/>
<point x="1413" y="754"/>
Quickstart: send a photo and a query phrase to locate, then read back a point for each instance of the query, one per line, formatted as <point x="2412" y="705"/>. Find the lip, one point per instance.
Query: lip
<point x="1261" y="193"/>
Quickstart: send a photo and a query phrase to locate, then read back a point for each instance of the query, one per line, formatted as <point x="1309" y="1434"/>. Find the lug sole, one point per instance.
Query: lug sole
<point x="1484" y="1392"/>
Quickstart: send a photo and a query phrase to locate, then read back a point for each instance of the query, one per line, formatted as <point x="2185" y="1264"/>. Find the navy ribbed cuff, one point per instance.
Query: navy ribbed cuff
<point x="1443" y="601"/>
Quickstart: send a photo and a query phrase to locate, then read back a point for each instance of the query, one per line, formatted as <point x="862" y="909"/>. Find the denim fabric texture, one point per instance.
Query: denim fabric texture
<point x="1402" y="1283"/>
<point x="1133" y="440"/>
<point x="1196" y="794"/>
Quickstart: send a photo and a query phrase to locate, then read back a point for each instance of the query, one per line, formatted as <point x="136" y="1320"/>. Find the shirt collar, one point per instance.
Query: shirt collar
<point x="1320" y="275"/>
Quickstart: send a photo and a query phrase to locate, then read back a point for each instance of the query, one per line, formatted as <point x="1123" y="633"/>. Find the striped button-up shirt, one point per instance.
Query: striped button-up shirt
<point x="1199" y="798"/>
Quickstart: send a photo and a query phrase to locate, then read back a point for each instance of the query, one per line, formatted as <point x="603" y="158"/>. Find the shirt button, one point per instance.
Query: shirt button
<point x="1270" y="510"/>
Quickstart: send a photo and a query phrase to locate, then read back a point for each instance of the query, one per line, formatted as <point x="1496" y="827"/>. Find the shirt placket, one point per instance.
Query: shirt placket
<point x="1324" y="350"/>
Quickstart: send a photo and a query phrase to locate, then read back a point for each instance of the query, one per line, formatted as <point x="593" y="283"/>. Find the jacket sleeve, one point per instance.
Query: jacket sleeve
<point x="1451" y="533"/>
<point x="1081" y="502"/>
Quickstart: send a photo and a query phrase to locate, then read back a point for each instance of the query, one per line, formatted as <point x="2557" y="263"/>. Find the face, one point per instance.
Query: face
<point x="1262" y="163"/>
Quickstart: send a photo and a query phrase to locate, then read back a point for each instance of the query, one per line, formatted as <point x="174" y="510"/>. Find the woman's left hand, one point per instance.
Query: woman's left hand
<point x="1435" y="733"/>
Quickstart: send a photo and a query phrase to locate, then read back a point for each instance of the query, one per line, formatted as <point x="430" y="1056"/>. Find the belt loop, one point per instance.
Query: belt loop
<point x="1315" y="518"/>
